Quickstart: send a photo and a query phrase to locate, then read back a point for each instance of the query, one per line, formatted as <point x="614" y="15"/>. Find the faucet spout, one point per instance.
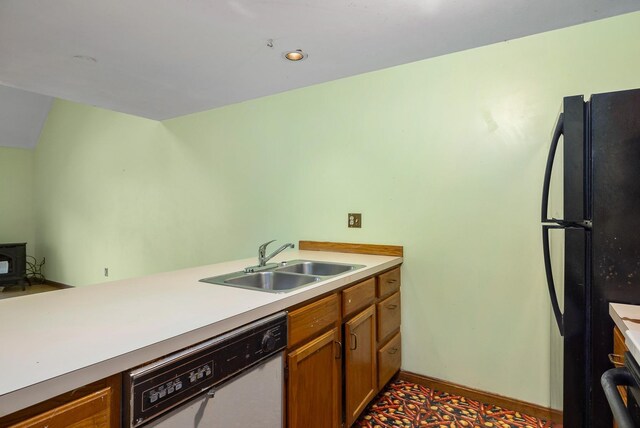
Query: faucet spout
<point x="262" y="259"/>
<point x="278" y="251"/>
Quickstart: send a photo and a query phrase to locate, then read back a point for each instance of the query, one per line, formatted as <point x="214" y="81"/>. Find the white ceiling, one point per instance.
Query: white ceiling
<point x="166" y="58"/>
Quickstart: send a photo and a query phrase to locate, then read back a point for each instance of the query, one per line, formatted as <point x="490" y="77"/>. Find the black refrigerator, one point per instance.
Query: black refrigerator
<point x="600" y="143"/>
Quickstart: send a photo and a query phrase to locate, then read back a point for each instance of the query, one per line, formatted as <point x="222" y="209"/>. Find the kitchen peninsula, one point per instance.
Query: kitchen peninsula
<point x="72" y="337"/>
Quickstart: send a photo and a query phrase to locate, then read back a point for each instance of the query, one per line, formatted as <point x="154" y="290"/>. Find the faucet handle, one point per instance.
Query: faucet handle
<point x="262" y="248"/>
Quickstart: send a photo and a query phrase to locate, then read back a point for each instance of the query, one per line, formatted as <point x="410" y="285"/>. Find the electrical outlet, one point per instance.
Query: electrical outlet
<point x="106" y="271"/>
<point x="354" y="220"/>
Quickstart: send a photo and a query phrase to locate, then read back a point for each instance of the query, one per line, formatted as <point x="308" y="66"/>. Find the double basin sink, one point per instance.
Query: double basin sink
<point x="283" y="277"/>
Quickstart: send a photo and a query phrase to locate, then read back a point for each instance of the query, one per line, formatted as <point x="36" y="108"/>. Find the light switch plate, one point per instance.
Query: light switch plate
<point x="354" y="220"/>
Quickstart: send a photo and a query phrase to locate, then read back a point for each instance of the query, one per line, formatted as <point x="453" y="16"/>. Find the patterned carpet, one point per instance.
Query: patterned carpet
<point x="405" y="404"/>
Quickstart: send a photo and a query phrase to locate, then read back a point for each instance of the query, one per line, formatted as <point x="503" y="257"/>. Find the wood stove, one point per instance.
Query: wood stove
<point x="13" y="264"/>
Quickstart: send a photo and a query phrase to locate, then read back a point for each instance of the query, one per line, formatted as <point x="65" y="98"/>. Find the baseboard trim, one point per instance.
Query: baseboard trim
<point x="57" y="284"/>
<point x="486" y="397"/>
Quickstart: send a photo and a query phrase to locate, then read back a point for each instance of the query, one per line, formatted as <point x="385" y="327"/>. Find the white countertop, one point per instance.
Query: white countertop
<point x="627" y="318"/>
<point x="56" y="341"/>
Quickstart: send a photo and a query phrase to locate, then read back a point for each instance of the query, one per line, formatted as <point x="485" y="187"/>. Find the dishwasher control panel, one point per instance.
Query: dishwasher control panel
<point x="158" y="387"/>
<point x="179" y="383"/>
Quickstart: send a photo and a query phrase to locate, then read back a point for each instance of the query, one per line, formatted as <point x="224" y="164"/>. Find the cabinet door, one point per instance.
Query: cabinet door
<point x="360" y="363"/>
<point x="96" y="405"/>
<point x="314" y="384"/>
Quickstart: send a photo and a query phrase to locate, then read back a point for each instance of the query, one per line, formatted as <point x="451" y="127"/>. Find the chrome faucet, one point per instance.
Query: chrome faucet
<point x="263" y="259"/>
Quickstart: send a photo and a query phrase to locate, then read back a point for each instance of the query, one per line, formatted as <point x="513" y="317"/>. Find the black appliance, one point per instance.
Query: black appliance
<point x="13" y="264"/>
<point x="601" y="225"/>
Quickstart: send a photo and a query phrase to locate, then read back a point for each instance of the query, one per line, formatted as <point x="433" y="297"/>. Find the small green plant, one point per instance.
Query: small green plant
<point x="34" y="269"/>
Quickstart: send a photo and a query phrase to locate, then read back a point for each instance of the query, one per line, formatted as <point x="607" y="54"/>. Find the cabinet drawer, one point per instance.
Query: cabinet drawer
<point x="89" y="411"/>
<point x="388" y="282"/>
<point x="389" y="359"/>
<point x="388" y="312"/>
<point x="310" y="320"/>
<point x="358" y="297"/>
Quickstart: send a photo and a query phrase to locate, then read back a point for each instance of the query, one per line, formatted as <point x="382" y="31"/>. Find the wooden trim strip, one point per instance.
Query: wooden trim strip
<point x="57" y="284"/>
<point x="340" y="247"/>
<point x="486" y="397"/>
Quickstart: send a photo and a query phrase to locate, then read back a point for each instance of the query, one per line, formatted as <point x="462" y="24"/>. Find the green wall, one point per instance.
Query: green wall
<point x="16" y="197"/>
<point x="444" y="156"/>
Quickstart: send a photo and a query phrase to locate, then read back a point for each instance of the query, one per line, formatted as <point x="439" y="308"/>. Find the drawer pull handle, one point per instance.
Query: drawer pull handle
<point x="391" y="281"/>
<point x="392" y="306"/>
<point x="393" y="350"/>
<point x="354" y="342"/>
<point x="616" y="360"/>
<point x="339" y="347"/>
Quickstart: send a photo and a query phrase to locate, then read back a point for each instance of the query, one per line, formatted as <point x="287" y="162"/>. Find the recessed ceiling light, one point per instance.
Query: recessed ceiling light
<point x="85" y="58"/>
<point x="296" y="55"/>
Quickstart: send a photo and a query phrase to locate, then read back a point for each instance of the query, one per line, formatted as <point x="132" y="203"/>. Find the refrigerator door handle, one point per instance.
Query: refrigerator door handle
<point x="557" y="133"/>
<point x="550" y="284"/>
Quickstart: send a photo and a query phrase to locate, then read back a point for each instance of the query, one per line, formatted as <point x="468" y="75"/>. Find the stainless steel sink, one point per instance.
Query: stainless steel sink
<point x="270" y="281"/>
<point x="309" y="267"/>
<point x="283" y="277"/>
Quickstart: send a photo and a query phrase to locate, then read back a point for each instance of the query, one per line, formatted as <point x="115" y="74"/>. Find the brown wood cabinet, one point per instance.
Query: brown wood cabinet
<point x="389" y="359"/>
<point x="314" y="365"/>
<point x="358" y="297"/>
<point x="308" y="321"/>
<point x="388" y="316"/>
<point x="314" y="382"/>
<point x="388" y="282"/>
<point x="617" y="359"/>
<point x="343" y="348"/>
<point x="360" y="369"/>
<point x="93" y="406"/>
<point x="388" y="310"/>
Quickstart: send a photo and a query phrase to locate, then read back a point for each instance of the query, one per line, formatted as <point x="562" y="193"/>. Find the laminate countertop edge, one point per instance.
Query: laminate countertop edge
<point x="627" y="319"/>
<point x="154" y="315"/>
